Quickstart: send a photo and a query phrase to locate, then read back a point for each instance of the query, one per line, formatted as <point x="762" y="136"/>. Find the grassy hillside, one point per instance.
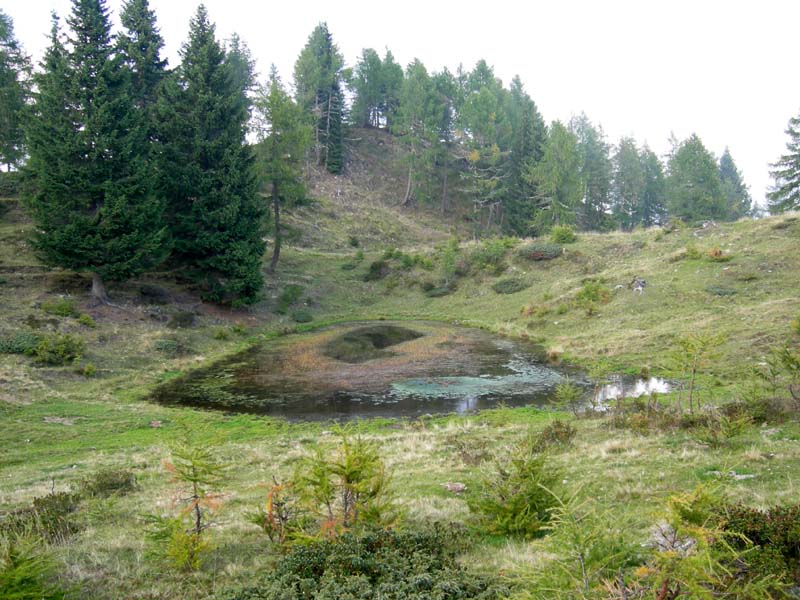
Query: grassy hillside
<point x="64" y="424"/>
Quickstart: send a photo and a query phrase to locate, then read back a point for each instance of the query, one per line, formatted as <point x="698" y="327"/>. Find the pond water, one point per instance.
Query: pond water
<point x="369" y="369"/>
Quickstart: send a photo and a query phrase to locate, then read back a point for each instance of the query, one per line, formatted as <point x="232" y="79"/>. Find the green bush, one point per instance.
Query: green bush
<point x="26" y="569"/>
<point x="109" y="482"/>
<point x="87" y="321"/>
<point x="62" y="307"/>
<point x="516" y="496"/>
<point x="593" y="292"/>
<point x="59" y="349"/>
<point x="439" y="291"/>
<point x="490" y="254"/>
<point x="10" y="184"/>
<point x="563" y="234"/>
<point x="21" y="342"/>
<point x="290" y="295"/>
<point x="88" y="370"/>
<point x="384" y="564"/>
<point x="540" y="251"/>
<point x="169" y="542"/>
<point x="302" y="316"/>
<point x="378" y="269"/>
<point x="510" y="286"/>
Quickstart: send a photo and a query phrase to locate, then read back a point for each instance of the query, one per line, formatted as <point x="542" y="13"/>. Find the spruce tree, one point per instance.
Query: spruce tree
<point x="15" y="73"/>
<point x="215" y="215"/>
<point x="694" y="189"/>
<point x="627" y="185"/>
<point x="140" y="45"/>
<point x="318" y="85"/>
<point x="785" y="194"/>
<point x="91" y="194"/>
<point x="595" y="173"/>
<point x="652" y="209"/>
<point x="284" y="134"/>
<point x="738" y="202"/>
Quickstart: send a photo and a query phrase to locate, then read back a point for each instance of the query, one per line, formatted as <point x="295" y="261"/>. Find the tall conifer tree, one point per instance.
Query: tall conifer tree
<point x="15" y="70"/>
<point x="738" y="202"/>
<point x="785" y="194"/>
<point x="215" y="215"/>
<point x="318" y="85"/>
<point x="694" y="187"/>
<point x="91" y="198"/>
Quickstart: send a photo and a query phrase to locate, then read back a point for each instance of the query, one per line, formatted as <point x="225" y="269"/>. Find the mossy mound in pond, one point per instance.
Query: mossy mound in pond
<point x="367" y="343"/>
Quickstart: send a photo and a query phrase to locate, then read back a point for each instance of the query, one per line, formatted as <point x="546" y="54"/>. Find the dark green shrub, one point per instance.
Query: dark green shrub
<point x="154" y="294"/>
<point x="516" y="496"/>
<point x="62" y="307"/>
<point x="26" y="569"/>
<point x="59" y="349"/>
<point x="353" y="241"/>
<point x="87" y="321"/>
<point x="290" y="295"/>
<point x="10" y="183"/>
<point x="718" y="290"/>
<point x="302" y="316"/>
<point x="384" y="564"/>
<point x="510" y="286"/>
<point x="540" y="251"/>
<point x="109" y="482"/>
<point x="563" y="234"/>
<point x="182" y="320"/>
<point x="378" y="269"/>
<point x="21" y="342"/>
<point x="442" y="290"/>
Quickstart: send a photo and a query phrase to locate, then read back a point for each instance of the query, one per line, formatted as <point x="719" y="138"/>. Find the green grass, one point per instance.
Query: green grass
<point x="59" y="427"/>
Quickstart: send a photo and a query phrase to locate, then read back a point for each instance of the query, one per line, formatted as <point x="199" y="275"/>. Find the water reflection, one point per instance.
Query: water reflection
<point x="622" y="387"/>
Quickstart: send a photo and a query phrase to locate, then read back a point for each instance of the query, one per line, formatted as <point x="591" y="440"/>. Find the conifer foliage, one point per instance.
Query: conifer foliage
<point x="785" y="195"/>
<point x="91" y="195"/>
<point x="14" y="91"/>
<point x="214" y="212"/>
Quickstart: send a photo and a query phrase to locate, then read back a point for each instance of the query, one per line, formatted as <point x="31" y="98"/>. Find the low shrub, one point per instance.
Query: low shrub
<point x="490" y="254"/>
<point x="87" y="321"/>
<point x="377" y="270"/>
<point x="442" y="290"/>
<point x="593" y="292"/>
<point x="353" y="241"/>
<point x="692" y="253"/>
<point x="389" y="565"/>
<point x="715" y="254"/>
<point x="172" y="347"/>
<point x="182" y="320"/>
<point x="169" y="542"/>
<point x="718" y="290"/>
<point x="154" y="294"/>
<point x="88" y="370"/>
<point x="59" y="349"/>
<point x="556" y="434"/>
<point x="289" y="296"/>
<point x="51" y="517"/>
<point x="21" y="342"/>
<point x="510" y="286"/>
<point x="109" y="482"/>
<point x="563" y="234"/>
<point x="62" y="307"/>
<point x="540" y="251"/>
<point x="302" y="316"/>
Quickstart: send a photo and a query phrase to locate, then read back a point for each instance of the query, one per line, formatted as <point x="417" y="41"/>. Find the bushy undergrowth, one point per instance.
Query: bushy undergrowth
<point x="540" y="251"/>
<point x="381" y="564"/>
<point x="20" y="342"/>
<point x="109" y="482"/>
<point x="490" y="254"/>
<point x="290" y="295"/>
<point x="563" y="234"/>
<point x="59" y="349"/>
<point x="61" y="307"/>
<point x="302" y="316"/>
<point x="26" y="569"/>
<point x="509" y="286"/>
<point x="52" y="517"/>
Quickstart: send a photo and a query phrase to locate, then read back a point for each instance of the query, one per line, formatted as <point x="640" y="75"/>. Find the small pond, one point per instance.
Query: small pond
<point x="371" y="369"/>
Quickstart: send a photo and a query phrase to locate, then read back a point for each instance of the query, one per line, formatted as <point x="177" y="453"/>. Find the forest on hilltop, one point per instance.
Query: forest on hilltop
<point x="192" y="165"/>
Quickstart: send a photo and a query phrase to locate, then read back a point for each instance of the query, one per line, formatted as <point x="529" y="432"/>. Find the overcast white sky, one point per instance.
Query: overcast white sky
<point x="726" y="70"/>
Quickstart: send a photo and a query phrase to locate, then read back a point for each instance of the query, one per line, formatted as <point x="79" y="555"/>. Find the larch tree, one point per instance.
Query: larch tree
<point x="15" y="72"/>
<point x="318" y="88"/>
<point x="215" y="214"/>
<point x="738" y="201"/>
<point x="91" y="190"/>
<point x="627" y="184"/>
<point x="366" y="85"/>
<point x="652" y="209"/>
<point x="284" y="133"/>
<point x="785" y="193"/>
<point x="595" y="174"/>
<point x="557" y="180"/>
<point x="445" y="87"/>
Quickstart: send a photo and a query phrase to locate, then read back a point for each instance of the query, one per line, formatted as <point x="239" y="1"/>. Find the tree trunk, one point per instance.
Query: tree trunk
<point x="276" y="208"/>
<point x="99" y="292"/>
<point x="691" y="384"/>
<point x="328" y="129"/>
<point x="444" y="186"/>
<point x="407" y="199"/>
<point x="316" y="129"/>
